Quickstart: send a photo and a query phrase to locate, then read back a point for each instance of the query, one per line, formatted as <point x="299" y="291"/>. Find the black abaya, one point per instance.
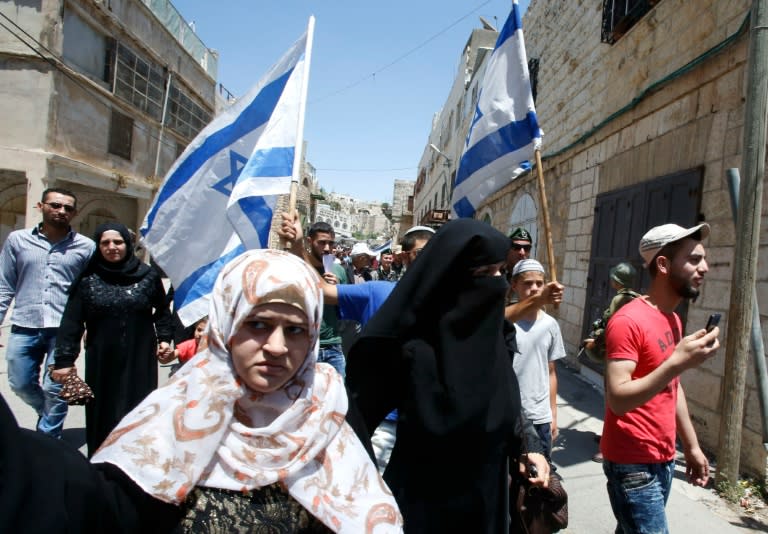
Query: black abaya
<point x="124" y="310"/>
<point x="48" y="486"/>
<point x="436" y="352"/>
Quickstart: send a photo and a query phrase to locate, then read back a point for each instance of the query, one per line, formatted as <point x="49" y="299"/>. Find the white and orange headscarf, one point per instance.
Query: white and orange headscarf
<point x="206" y="428"/>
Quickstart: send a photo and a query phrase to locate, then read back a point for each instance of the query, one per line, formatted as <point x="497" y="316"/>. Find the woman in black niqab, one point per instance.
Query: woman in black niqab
<point x="435" y="351"/>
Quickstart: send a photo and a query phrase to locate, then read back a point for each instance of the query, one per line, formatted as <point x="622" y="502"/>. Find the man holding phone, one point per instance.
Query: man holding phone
<point x="645" y="403"/>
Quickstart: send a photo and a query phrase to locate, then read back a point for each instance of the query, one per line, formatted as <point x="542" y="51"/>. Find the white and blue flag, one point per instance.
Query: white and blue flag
<point x="217" y="199"/>
<point x="381" y="248"/>
<point x="504" y="131"/>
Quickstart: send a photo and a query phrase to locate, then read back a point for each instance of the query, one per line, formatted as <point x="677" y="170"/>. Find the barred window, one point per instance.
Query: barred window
<point x="185" y="116"/>
<point x="139" y="82"/>
<point x="620" y="15"/>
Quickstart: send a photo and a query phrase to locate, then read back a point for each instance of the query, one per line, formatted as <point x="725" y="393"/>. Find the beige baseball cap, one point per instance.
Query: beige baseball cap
<point x="659" y="236"/>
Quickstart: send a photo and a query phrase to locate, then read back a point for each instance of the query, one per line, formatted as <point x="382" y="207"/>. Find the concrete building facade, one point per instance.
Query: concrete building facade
<point x="99" y="97"/>
<point x="643" y="112"/>
<point x="402" y="207"/>
<point x="440" y="158"/>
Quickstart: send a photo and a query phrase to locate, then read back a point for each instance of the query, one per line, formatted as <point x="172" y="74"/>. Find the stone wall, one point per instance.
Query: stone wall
<point x="619" y="115"/>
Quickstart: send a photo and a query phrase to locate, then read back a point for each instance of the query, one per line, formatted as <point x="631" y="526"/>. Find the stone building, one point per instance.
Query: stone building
<point x="99" y="97"/>
<point x="402" y="207"/>
<point x="643" y="112"/>
<point x="305" y="203"/>
<point x="349" y="216"/>
<point x="440" y="158"/>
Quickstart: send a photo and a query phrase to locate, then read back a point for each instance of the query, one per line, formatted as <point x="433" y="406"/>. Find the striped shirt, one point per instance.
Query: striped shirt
<point x="38" y="275"/>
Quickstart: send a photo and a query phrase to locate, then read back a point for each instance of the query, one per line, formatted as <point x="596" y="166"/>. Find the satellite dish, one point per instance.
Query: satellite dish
<point x="487" y="25"/>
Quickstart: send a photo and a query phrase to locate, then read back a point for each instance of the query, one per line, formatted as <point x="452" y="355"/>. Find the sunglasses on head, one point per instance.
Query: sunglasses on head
<point x="516" y="246"/>
<point x="58" y="205"/>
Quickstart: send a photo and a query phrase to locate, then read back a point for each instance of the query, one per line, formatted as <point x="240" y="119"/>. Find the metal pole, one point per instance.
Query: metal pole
<point x="162" y="123"/>
<point x="746" y="250"/>
<point x="756" y="335"/>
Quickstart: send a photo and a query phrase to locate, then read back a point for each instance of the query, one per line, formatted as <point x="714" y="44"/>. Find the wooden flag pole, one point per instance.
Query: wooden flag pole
<point x="285" y="244"/>
<point x="299" y="148"/>
<point x="545" y="214"/>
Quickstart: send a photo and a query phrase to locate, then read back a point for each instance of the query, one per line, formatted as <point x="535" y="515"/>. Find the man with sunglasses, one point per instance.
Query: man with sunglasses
<point x="520" y="244"/>
<point x="37" y="267"/>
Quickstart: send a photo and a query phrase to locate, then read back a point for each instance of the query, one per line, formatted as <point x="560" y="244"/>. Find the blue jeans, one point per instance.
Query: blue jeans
<point x="544" y="430"/>
<point x="638" y="495"/>
<point x="28" y="349"/>
<point x="333" y="355"/>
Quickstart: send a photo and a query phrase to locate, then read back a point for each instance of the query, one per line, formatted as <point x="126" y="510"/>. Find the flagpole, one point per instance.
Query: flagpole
<point x="297" y="157"/>
<point x="545" y="214"/>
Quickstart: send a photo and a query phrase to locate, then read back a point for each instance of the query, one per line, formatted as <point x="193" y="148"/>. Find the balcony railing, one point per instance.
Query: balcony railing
<point x="170" y="17"/>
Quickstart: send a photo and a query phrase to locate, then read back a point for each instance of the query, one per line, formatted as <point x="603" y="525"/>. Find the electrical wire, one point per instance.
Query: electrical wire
<point x="56" y="63"/>
<point x="399" y="58"/>
<point x="367" y="170"/>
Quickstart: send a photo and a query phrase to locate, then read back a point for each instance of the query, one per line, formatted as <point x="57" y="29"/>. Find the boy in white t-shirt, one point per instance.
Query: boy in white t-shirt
<point x="539" y="343"/>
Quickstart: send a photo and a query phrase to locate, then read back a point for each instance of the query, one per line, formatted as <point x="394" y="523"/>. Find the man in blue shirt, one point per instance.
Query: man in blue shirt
<point x="359" y="302"/>
<point x="37" y="267"/>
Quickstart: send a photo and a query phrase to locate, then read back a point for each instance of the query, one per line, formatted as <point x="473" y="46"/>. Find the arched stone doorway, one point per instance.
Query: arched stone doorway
<point x="13" y="207"/>
<point x="525" y="214"/>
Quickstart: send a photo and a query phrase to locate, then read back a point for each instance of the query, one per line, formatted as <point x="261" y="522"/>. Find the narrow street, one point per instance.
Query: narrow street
<point x="580" y="417"/>
<point x="580" y="407"/>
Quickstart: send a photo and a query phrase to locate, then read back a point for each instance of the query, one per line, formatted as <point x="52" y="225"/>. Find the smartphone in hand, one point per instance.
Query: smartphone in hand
<point x="712" y="322"/>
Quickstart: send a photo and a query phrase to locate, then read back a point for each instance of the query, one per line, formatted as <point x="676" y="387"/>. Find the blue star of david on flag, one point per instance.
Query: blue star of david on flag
<point x="236" y="164"/>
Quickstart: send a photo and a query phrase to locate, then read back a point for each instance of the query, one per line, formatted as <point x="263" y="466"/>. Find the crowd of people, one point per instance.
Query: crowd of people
<point x="332" y="390"/>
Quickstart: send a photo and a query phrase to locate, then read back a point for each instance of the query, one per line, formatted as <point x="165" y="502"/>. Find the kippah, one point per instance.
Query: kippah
<point x="523" y="266"/>
<point x="419" y="229"/>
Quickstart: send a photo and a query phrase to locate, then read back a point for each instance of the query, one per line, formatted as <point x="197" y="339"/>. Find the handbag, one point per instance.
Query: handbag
<point x="542" y="510"/>
<point x="74" y="390"/>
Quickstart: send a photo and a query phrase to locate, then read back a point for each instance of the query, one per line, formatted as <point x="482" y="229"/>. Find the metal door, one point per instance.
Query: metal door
<point x="621" y="218"/>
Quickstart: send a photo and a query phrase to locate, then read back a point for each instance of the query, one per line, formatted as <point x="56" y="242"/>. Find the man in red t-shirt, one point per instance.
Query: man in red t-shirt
<point x="645" y="404"/>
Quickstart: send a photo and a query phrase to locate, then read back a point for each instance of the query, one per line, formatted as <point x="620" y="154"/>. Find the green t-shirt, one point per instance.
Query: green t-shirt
<point x="329" y="327"/>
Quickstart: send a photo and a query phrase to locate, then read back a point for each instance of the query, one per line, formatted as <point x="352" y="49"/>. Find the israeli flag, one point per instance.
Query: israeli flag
<point x="217" y="199"/>
<point x="504" y="131"/>
<point x="381" y="248"/>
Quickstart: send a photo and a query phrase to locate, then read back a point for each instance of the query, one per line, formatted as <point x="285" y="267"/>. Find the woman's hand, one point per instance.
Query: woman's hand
<point x="165" y="354"/>
<point x="533" y="461"/>
<point x="58" y="375"/>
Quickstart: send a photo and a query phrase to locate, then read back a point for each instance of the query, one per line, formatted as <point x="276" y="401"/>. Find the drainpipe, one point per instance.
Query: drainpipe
<point x="162" y="123"/>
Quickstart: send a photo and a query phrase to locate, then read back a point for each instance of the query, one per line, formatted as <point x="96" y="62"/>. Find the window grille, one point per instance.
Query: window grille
<point x="185" y="116"/>
<point x="139" y="82"/>
<point x="620" y="15"/>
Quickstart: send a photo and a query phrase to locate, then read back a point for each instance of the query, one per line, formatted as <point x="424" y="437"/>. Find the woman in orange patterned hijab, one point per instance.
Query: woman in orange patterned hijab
<point x="250" y="433"/>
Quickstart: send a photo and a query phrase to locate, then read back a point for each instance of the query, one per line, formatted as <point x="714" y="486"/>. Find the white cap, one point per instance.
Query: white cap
<point x="523" y="266"/>
<point x="362" y="248"/>
<point x="419" y="229"/>
<point x="659" y="236"/>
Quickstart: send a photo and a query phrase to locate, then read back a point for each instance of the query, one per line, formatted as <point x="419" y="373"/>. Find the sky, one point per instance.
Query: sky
<point x="379" y="73"/>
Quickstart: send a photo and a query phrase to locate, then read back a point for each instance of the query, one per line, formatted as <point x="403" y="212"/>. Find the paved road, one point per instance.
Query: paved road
<point x="580" y="408"/>
<point x="580" y="416"/>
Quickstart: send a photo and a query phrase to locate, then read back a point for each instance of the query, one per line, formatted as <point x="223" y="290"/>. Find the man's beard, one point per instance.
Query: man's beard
<point x="61" y="224"/>
<point x="683" y="287"/>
